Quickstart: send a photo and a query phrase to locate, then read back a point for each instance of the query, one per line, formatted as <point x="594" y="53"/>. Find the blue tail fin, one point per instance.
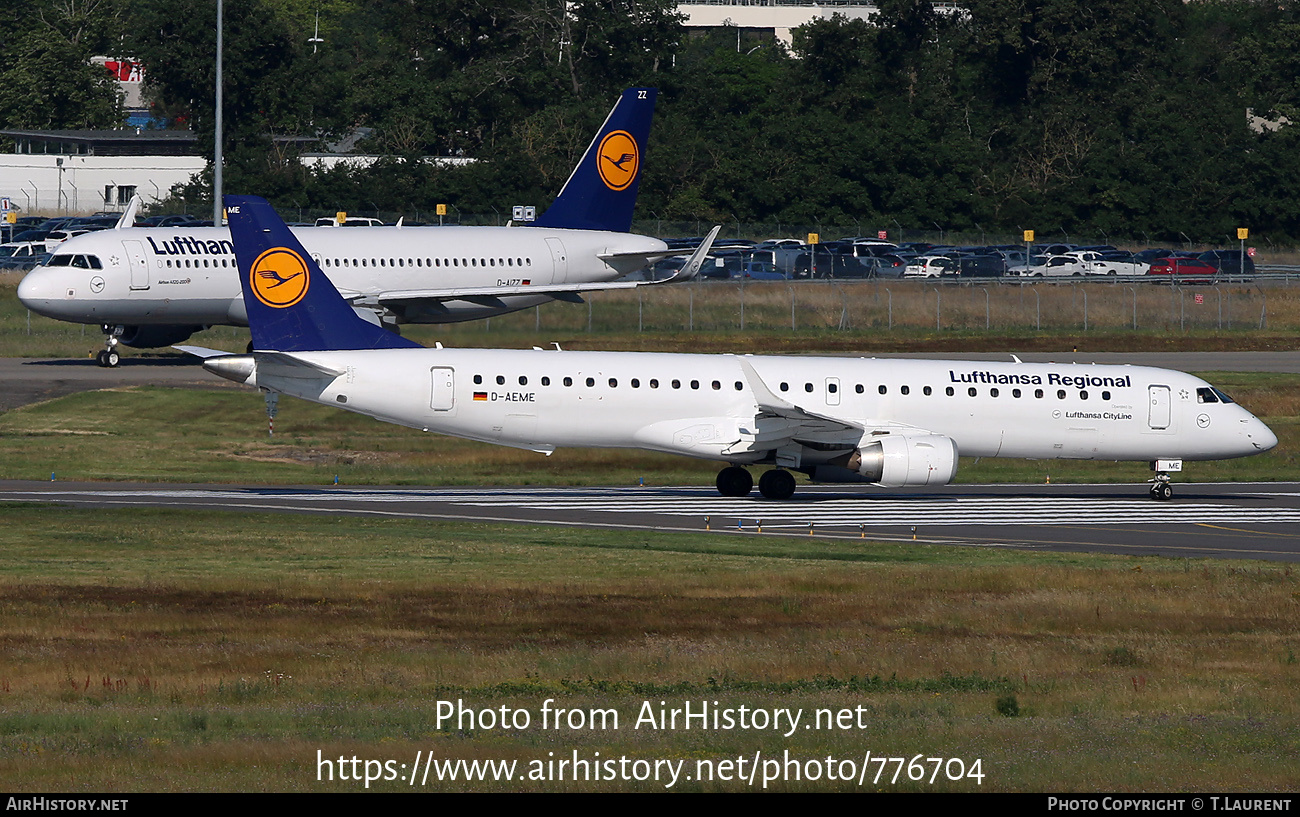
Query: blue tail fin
<point x="601" y="192"/>
<point x="291" y="305"/>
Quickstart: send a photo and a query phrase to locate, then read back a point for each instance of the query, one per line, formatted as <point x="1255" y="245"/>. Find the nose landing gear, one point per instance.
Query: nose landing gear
<point x="109" y="357"/>
<point x="1161" y="490"/>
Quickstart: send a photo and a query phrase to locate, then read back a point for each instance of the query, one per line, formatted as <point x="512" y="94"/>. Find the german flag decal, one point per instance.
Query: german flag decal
<point x="480" y="395"/>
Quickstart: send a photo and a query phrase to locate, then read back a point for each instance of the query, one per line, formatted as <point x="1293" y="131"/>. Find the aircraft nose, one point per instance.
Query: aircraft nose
<point x="35" y="289"/>
<point x="42" y="292"/>
<point x="1260" y="435"/>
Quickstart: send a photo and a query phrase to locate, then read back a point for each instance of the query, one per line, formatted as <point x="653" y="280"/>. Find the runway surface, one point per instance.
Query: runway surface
<point x="1248" y="521"/>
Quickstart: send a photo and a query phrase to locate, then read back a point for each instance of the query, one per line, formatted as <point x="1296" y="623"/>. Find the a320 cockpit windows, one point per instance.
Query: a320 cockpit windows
<point x="79" y="261"/>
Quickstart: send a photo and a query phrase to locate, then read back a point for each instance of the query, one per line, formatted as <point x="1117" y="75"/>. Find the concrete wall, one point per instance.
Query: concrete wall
<point x="37" y="184"/>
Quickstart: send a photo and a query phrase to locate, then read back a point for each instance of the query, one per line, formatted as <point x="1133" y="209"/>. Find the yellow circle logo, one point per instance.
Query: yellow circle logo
<point x="619" y="160"/>
<point x="279" y="277"/>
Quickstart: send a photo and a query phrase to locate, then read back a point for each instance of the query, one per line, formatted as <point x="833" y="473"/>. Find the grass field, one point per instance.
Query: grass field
<point x="185" y="651"/>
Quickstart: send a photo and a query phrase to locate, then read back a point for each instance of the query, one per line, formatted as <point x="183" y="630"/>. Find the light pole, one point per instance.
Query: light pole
<point x="217" y="159"/>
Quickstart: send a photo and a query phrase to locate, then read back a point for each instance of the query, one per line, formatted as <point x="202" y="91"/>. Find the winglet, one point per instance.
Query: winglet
<point x="128" y="215"/>
<point x="693" y="264"/>
<point x="601" y="193"/>
<point x="291" y="305"/>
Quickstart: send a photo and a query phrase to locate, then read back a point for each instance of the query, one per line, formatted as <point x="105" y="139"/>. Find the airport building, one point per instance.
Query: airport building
<point x="772" y="17"/>
<point x="85" y="171"/>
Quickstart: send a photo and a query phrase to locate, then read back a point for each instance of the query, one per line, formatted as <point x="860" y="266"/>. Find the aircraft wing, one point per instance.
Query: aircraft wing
<point x="799" y="420"/>
<point x="488" y="293"/>
<point x="783" y="427"/>
<point x="689" y="270"/>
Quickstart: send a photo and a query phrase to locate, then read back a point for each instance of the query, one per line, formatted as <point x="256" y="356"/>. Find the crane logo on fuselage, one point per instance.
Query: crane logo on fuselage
<point x="618" y="160"/>
<point x="279" y="277"/>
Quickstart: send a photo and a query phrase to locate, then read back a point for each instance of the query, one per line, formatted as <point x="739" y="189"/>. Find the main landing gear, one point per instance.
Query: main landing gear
<point x="109" y="357"/>
<point x="736" y="481"/>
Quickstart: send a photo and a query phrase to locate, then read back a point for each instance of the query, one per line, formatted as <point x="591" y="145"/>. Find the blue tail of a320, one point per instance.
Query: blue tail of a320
<point x="291" y="305"/>
<point x="601" y="193"/>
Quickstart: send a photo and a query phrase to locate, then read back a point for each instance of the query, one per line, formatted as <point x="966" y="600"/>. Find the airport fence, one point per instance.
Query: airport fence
<point x="849" y="306"/>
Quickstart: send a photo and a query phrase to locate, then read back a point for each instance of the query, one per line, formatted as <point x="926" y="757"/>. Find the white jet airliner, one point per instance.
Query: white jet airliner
<point x="887" y="422"/>
<point x="150" y="287"/>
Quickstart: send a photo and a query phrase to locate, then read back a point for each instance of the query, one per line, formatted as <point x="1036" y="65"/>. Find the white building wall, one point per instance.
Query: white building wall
<point x="37" y="184"/>
<point x="782" y="18"/>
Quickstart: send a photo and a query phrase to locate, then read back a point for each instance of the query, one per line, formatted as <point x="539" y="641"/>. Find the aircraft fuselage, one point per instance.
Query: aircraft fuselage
<point x="150" y="276"/>
<point x="713" y="406"/>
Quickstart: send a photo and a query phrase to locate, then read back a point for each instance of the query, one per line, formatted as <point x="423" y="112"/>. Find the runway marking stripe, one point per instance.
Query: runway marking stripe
<point x="871" y="510"/>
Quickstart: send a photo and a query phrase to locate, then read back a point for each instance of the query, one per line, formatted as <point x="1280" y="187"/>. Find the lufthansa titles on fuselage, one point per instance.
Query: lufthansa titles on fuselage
<point x="1053" y="379"/>
<point x="185" y="245"/>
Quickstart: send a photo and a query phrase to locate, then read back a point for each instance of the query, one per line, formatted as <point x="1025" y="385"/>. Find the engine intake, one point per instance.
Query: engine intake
<point x="901" y="460"/>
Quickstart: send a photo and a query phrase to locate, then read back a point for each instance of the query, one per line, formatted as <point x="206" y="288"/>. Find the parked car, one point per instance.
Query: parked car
<point x="930" y="266"/>
<point x="1179" y="266"/>
<point x="353" y="221"/>
<point x="22" y="255"/>
<point x="1229" y="262"/>
<point x="979" y="266"/>
<point x="167" y="221"/>
<point x="761" y="271"/>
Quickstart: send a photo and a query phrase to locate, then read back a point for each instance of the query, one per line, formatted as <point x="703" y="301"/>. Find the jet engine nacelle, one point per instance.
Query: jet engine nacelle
<point x="153" y="337"/>
<point x="897" y="461"/>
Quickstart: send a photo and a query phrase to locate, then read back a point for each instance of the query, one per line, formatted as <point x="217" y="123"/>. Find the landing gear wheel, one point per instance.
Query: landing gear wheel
<point x="1162" y="492"/>
<point x="112" y="358"/>
<point x="102" y="358"/>
<point x="776" y="484"/>
<point x="734" y="481"/>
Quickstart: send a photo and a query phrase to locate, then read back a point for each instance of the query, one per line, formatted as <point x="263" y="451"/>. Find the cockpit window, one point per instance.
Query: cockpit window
<point x="59" y="261"/>
<point x="1225" y="398"/>
<point x="1206" y="396"/>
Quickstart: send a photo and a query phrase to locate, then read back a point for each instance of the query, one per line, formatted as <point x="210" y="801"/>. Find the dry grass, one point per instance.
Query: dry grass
<point x="175" y="651"/>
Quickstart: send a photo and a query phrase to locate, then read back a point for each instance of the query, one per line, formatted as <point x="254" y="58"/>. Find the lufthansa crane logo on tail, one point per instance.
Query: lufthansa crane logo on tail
<point x="618" y="159"/>
<point x="279" y="277"/>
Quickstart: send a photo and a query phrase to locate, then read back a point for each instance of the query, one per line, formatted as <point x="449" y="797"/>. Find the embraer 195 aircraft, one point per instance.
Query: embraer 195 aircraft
<point x="152" y="287"/>
<point x="887" y="422"/>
